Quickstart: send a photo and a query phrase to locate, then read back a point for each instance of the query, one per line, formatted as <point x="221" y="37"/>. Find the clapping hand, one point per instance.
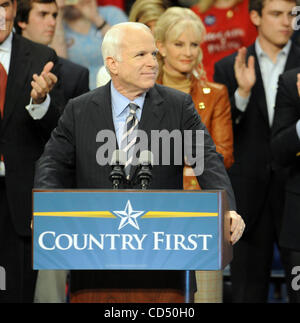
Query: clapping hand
<point x="42" y="84"/>
<point x="244" y="72"/>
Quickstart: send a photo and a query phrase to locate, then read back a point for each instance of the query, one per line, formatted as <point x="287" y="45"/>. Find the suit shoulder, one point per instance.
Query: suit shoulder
<point x="82" y="102"/>
<point x="66" y="63"/>
<point x="34" y="47"/>
<point x="227" y="60"/>
<point x="173" y="101"/>
<point x="167" y="92"/>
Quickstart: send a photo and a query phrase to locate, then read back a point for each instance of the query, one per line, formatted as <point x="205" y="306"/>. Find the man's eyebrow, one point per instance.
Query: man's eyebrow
<point x="4" y="4"/>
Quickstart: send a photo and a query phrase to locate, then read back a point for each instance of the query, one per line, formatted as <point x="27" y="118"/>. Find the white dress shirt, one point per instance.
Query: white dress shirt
<point x="270" y="73"/>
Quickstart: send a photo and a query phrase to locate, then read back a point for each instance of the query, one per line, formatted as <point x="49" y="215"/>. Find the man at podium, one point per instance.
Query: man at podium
<point x="129" y="102"/>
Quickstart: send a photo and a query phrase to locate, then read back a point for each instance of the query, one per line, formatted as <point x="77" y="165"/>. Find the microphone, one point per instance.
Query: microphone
<point x="117" y="175"/>
<point x="144" y="175"/>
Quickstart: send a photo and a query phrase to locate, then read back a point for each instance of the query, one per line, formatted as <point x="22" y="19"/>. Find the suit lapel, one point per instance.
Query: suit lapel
<point x="153" y="111"/>
<point x="102" y="109"/>
<point x="17" y="77"/>
<point x="260" y="95"/>
<point x="152" y="115"/>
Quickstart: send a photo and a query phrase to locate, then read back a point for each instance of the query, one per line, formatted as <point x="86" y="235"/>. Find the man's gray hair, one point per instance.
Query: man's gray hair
<point x="111" y="44"/>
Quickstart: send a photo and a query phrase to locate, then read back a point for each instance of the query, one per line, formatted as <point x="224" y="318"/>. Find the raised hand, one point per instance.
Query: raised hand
<point x="42" y="84"/>
<point x="244" y="72"/>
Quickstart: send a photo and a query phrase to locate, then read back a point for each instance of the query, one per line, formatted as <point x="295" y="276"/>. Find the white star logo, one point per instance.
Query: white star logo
<point x="128" y="216"/>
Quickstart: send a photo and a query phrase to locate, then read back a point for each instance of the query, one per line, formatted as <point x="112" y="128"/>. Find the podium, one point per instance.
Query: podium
<point x="131" y="230"/>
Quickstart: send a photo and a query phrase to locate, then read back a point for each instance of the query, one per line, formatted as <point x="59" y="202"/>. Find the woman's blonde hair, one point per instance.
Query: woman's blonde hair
<point x="145" y="11"/>
<point x="172" y="24"/>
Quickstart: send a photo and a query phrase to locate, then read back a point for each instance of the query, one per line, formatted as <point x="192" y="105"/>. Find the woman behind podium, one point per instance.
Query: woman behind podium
<point x="178" y="34"/>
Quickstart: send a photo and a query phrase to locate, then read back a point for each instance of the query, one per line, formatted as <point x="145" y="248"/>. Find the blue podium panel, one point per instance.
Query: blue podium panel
<point x="181" y="230"/>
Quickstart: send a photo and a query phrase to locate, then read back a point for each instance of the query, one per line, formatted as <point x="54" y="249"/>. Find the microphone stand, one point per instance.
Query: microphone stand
<point x="144" y="176"/>
<point x="117" y="175"/>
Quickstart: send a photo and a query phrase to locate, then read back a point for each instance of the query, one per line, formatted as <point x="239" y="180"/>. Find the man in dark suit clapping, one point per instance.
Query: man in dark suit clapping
<point x="30" y="105"/>
<point x="36" y="20"/>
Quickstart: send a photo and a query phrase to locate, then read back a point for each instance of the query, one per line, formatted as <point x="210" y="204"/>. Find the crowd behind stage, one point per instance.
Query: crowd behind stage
<point x="239" y="60"/>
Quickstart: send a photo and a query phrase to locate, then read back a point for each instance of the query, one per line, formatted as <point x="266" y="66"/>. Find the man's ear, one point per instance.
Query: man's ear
<point x="255" y="17"/>
<point x="22" y="25"/>
<point x="112" y="65"/>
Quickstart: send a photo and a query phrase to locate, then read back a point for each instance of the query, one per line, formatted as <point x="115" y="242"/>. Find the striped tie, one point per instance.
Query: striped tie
<point x="129" y="137"/>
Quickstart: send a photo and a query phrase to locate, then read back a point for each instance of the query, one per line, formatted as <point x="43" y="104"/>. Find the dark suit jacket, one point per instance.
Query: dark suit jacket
<point x="74" y="79"/>
<point x="22" y="139"/>
<point x="286" y="150"/>
<point x="251" y="173"/>
<point x="73" y="148"/>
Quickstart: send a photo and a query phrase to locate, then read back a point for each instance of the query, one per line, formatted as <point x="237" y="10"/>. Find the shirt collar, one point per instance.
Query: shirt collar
<point x="260" y="53"/>
<point x="120" y="102"/>
<point x="7" y="44"/>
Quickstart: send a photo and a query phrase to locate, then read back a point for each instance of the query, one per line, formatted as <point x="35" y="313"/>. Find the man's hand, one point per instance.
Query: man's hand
<point x="244" y="72"/>
<point x="42" y="84"/>
<point x="237" y="226"/>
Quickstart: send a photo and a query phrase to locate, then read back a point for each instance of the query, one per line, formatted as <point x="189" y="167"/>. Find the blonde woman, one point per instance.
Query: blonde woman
<point x="228" y="28"/>
<point x="178" y="34"/>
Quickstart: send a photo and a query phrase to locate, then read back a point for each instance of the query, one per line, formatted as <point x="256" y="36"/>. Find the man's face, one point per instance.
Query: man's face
<point x="275" y="23"/>
<point x="41" y="23"/>
<point x="8" y="8"/>
<point x="138" y="68"/>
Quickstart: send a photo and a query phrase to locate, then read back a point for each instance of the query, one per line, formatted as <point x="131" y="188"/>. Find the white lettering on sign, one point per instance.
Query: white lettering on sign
<point x="49" y="240"/>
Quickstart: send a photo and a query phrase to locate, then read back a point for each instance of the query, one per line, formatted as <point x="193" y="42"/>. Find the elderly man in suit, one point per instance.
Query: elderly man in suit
<point x="251" y="77"/>
<point x="130" y="56"/>
<point x="36" y="20"/>
<point x="29" y="111"/>
<point x="286" y="151"/>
